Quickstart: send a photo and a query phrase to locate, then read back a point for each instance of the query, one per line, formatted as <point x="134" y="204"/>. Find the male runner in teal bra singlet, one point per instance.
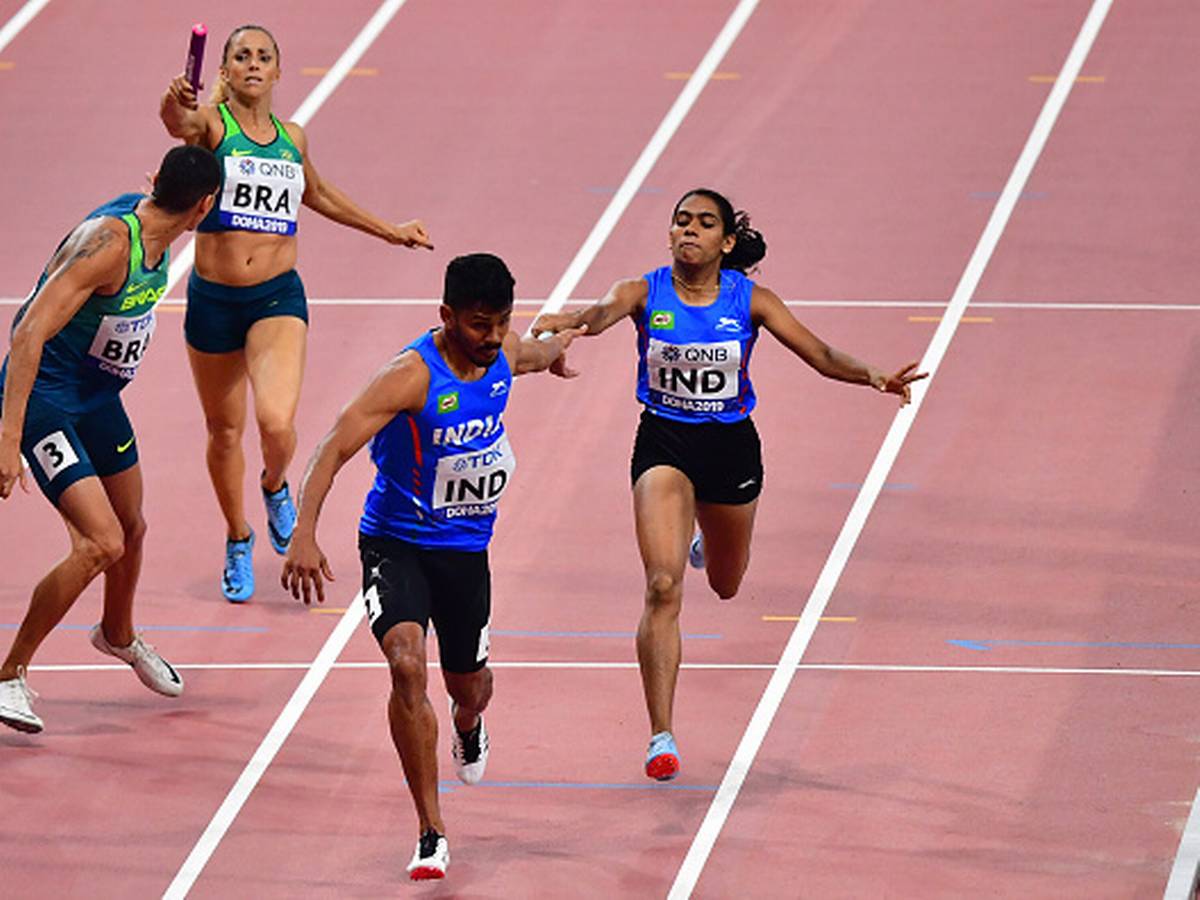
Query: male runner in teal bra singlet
<point x="76" y="343"/>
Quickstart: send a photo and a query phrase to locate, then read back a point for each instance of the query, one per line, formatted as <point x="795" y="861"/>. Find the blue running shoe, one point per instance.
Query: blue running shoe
<point x="696" y="552"/>
<point x="281" y="518"/>
<point x="662" y="757"/>
<point x="237" y="582"/>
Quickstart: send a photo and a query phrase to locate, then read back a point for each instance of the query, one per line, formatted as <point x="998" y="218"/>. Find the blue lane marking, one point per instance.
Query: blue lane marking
<point x="1124" y="645"/>
<point x="447" y="786"/>
<point x="243" y="629"/>
<point x="510" y="632"/>
<point x="887" y="486"/>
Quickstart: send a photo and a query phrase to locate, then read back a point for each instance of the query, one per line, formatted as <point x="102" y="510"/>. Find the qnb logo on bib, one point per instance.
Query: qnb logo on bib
<point x="261" y="194"/>
<point x="470" y="484"/>
<point x="694" y="376"/>
<point x="121" y="342"/>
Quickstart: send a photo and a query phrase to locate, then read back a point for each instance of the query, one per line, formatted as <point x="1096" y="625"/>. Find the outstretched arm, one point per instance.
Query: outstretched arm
<point x="398" y="387"/>
<point x="767" y="310"/>
<point x="530" y="354"/>
<point x="182" y="114"/>
<point x="322" y="197"/>
<point x="94" y="258"/>
<point x="625" y="298"/>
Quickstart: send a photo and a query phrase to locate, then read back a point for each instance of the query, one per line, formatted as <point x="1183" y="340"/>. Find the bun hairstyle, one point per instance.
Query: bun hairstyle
<point x="220" y="90"/>
<point x="749" y="248"/>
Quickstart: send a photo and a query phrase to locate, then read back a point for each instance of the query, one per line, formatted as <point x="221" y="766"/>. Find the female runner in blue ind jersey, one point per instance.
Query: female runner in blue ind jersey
<point x="76" y="343"/>
<point x="696" y="459"/>
<point x="434" y="418"/>
<point x="247" y="317"/>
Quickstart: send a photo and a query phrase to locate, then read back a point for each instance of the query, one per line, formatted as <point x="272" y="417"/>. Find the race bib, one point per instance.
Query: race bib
<point x="694" y="376"/>
<point x="261" y="194"/>
<point x="120" y="343"/>
<point x="470" y="484"/>
<point x="54" y="453"/>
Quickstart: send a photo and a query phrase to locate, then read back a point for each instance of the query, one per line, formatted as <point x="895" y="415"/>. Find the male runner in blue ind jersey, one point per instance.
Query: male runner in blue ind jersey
<point x="76" y="342"/>
<point x="433" y="415"/>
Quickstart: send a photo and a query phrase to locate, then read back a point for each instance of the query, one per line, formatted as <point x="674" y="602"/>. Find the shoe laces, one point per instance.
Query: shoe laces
<point x="237" y="556"/>
<point x="470" y="742"/>
<point x="141" y="649"/>
<point x="23" y="685"/>
<point x="663" y="742"/>
<point x="277" y="500"/>
<point x="429" y="843"/>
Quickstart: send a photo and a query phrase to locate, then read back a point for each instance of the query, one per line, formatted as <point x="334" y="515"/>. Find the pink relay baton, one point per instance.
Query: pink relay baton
<point x="195" y="55"/>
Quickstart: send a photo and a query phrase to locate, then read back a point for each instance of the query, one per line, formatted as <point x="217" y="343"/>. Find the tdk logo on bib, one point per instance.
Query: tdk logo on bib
<point x="696" y="377"/>
<point x="120" y="343"/>
<point x="470" y="484"/>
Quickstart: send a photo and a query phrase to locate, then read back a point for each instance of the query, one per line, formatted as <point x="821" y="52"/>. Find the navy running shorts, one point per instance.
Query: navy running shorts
<point x="219" y="316"/>
<point x="62" y="448"/>
<point x="406" y="583"/>
<point x="722" y="460"/>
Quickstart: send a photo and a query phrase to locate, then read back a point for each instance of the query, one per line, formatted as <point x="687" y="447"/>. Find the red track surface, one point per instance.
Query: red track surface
<point x="1044" y="494"/>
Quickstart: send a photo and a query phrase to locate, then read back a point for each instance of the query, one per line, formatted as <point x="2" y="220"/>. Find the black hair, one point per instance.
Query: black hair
<point x="186" y="175"/>
<point x="749" y="248"/>
<point x="478" y="280"/>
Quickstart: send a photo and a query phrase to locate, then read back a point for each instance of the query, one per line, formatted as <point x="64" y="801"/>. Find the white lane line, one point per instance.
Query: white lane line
<point x="805" y="304"/>
<point x="240" y="792"/>
<point x="23" y="17"/>
<point x="896" y="668"/>
<point x="814" y="608"/>
<point x="649" y="156"/>
<point x="1186" y="870"/>
<point x="308" y="107"/>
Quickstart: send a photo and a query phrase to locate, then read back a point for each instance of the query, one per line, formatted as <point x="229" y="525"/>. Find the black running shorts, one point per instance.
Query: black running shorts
<point x="723" y="460"/>
<point x="406" y="583"/>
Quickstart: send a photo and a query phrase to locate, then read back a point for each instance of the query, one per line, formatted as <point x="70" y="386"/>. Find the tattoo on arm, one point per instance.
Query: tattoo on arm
<point x="73" y="251"/>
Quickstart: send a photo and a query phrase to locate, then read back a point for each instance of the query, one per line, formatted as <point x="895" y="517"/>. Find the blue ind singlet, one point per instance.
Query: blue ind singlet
<point x="98" y="351"/>
<point x="693" y="361"/>
<point x="441" y="472"/>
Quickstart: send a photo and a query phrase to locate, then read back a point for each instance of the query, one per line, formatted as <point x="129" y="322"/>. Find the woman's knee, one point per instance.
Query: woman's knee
<point x="726" y="586"/>
<point x="727" y="580"/>
<point x="224" y="434"/>
<point x="277" y="433"/>
<point x="663" y="589"/>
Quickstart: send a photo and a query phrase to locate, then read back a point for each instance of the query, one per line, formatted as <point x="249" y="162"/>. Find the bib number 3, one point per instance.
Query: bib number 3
<point x="54" y="454"/>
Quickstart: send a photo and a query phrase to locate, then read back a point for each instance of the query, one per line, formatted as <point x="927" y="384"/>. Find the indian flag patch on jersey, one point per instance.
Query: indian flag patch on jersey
<point x="662" y="320"/>
<point x="447" y="402"/>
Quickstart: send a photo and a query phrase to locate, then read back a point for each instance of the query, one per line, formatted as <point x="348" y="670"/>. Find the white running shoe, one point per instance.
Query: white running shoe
<point x="16" y="705"/>
<point x="469" y="750"/>
<point x="152" y="670"/>
<point x="431" y="857"/>
<point x="696" y="552"/>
